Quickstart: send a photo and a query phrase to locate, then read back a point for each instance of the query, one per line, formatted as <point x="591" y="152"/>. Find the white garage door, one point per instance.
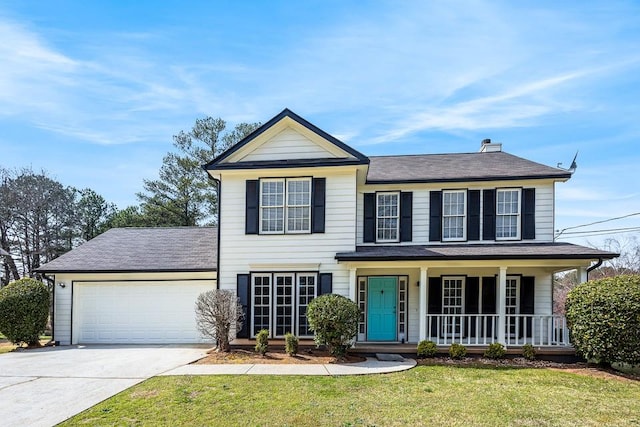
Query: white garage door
<point x="138" y="312"/>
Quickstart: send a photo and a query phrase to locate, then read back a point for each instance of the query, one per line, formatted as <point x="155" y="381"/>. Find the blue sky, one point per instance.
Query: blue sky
<point x="92" y="92"/>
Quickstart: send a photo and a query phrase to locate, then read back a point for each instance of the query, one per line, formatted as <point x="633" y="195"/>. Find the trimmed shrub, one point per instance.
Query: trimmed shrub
<point x="334" y="321"/>
<point x="457" y="351"/>
<point x="495" y="351"/>
<point x="262" y="341"/>
<point x="528" y="352"/>
<point x="24" y="310"/>
<point x="427" y="349"/>
<point x="604" y="319"/>
<point x="217" y="311"/>
<point x="290" y="344"/>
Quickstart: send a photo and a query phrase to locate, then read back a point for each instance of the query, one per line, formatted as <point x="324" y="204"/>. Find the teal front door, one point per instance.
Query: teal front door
<point x="381" y="309"/>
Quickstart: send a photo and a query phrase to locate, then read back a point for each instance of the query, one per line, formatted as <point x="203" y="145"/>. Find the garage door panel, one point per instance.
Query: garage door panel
<point x="137" y="312"/>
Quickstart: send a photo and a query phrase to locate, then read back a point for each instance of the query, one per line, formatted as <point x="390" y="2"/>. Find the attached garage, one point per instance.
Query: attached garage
<point x="133" y="286"/>
<point x="136" y="312"/>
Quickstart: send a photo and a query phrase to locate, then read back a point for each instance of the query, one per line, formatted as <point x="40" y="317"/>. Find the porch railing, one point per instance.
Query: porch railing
<point x="482" y="329"/>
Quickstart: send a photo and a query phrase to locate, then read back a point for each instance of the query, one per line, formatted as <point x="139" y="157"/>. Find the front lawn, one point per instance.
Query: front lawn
<point x="426" y="395"/>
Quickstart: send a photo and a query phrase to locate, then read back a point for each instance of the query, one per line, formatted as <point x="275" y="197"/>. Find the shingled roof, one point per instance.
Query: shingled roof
<point x="142" y="250"/>
<point x="457" y="167"/>
<point x="496" y="251"/>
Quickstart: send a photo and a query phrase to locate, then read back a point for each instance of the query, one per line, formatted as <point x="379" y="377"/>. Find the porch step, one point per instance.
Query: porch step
<point x="389" y="357"/>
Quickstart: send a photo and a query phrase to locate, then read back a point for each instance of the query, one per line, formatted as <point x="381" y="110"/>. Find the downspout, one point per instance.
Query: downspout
<point x="218" y="184"/>
<point x="593" y="267"/>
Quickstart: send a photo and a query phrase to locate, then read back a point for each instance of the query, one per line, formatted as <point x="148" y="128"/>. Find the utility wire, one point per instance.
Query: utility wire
<point x="596" y="234"/>
<point x="560" y="232"/>
<point x="604" y="230"/>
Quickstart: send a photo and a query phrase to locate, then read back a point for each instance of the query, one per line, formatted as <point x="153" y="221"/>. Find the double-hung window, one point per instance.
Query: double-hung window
<point x="285" y="205"/>
<point x="454" y="215"/>
<point x="507" y="214"/>
<point x="388" y="217"/>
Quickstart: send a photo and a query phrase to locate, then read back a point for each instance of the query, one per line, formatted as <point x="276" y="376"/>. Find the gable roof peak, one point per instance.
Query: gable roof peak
<point x="286" y="113"/>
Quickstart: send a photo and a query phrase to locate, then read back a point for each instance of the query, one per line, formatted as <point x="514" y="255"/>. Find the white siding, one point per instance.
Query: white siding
<point x="238" y="251"/>
<point x="288" y="144"/>
<point x="544" y="208"/>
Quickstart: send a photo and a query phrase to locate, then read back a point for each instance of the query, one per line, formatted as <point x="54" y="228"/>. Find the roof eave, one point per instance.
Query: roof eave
<point x="467" y="179"/>
<point x="104" y="271"/>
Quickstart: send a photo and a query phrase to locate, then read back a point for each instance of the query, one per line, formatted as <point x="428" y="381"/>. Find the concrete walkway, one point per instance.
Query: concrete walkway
<point x="370" y="366"/>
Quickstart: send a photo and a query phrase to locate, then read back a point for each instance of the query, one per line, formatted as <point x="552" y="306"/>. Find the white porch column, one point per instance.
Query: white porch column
<point x="352" y="284"/>
<point x="583" y="275"/>
<point x="502" y="305"/>
<point x="422" y="304"/>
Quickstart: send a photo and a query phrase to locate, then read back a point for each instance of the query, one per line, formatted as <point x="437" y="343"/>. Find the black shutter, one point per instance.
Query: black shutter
<point x="369" y="223"/>
<point x="406" y="216"/>
<point x="243" y="291"/>
<point x="527" y="294"/>
<point x="435" y="303"/>
<point x="251" y="207"/>
<point x="435" y="216"/>
<point x="317" y="205"/>
<point x="326" y="284"/>
<point x="471" y="306"/>
<point x="489" y="295"/>
<point x="528" y="213"/>
<point x="488" y="304"/>
<point x="489" y="215"/>
<point x="527" y="303"/>
<point x="473" y="215"/>
<point x="471" y="294"/>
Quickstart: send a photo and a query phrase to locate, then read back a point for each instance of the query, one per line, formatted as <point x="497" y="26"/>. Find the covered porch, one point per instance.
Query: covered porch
<point x="474" y="295"/>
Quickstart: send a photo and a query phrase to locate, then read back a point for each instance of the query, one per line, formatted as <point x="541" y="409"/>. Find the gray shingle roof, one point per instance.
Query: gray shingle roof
<point x="474" y="252"/>
<point x="457" y="167"/>
<point x="142" y="249"/>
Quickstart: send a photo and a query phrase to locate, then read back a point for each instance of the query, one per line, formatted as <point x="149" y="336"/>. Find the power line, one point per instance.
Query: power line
<point x="597" y="234"/>
<point x="560" y="232"/>
<point x="604" y="230"/>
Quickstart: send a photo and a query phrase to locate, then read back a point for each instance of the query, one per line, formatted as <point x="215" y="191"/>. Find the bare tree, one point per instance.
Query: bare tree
<point x="217" y="311"/>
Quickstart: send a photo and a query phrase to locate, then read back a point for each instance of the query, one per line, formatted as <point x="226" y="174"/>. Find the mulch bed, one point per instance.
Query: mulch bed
<point x="307" y="356"/>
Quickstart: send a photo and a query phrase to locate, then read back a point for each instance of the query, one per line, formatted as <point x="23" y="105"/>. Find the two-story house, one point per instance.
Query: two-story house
<point x="446" y="247"/>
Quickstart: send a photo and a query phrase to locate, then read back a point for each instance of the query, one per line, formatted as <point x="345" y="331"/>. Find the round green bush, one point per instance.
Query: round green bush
<point x="457" y="351"/>
<point x="604" y="319"/>
<point x="427" y="349"/>
<point x="495" y="351"/>
<point x="334" y="321"/>
<point x="24" y="310"/>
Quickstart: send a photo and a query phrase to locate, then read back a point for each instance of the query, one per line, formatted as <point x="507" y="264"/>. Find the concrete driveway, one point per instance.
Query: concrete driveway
<point x="46" y="386"/>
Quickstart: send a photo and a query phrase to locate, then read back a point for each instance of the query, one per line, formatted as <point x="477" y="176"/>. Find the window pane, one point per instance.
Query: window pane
<point x="387" y="212"/>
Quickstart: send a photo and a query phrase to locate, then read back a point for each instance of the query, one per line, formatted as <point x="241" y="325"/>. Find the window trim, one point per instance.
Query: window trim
<point x="518" y="235"/>
<point x="464" y="217"/>
<point x="253" y="301"/>
<point x="285" y="205"/>
<point x="272" y="298"/>
<point x="397" y="216"/>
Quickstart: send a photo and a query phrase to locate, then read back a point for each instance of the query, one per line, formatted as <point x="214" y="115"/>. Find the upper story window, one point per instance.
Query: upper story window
<point x="388" y="217"/>
<point x="454" y="215"/>
<point x="507" y="214"/>
<point x="285" y="205"/>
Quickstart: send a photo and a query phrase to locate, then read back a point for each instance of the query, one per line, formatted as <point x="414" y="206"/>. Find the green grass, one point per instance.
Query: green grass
<point x="426" y="395"/>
